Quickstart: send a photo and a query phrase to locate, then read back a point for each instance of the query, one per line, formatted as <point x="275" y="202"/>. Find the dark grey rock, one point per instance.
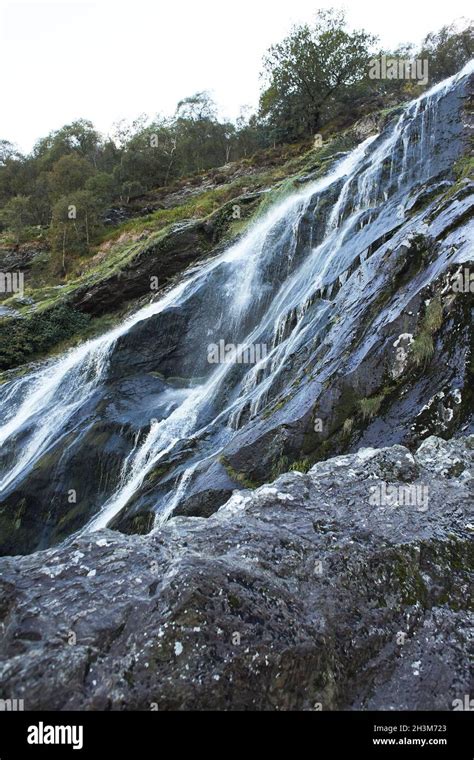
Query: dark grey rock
<point x="296" y="595"/>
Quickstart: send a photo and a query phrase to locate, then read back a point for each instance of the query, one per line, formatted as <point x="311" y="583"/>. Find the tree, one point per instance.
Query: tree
<point x="79" y="138"/>
<point x="103" y="186"/>
<point x="249" y="134"/>
<point x="40" y="200"/>
<point x="75" y="224"/>
<point x="16" y="215"/>
<point x="448" y="50"/>
<point x="202" y="141"/>
<point x="202" y="144"/>
<point x="197" y="107"/>
<point x="308" y="73"/>
<point x="149" y="156"/>
<point x="131" y="190"/>
<point x="69" y="173"/>
<point x="14" y="172"/>
<point x="8" y="152"/>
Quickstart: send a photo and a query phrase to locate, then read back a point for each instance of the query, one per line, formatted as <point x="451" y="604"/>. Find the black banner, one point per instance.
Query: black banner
<point x="411" y="735"/>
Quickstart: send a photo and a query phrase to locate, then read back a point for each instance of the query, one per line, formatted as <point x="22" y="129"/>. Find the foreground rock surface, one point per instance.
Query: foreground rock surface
<point x="298" y="595"/>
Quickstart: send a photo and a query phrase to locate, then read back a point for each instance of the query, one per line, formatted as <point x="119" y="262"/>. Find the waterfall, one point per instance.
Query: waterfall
<point x="272" y="287"/>
<point x="245" y="258"/>
<point x="41" y="403"/>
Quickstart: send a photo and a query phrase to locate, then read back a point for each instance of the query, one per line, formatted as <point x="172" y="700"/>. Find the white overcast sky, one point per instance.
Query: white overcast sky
<point x="105" y="60"/>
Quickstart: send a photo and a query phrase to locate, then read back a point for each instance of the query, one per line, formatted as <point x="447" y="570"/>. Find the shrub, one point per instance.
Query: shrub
<point x="422" y="349"/>
<point x="370" y="407"/>
<point x="433" y="319"/>
<point x="21" y="339"/>
<point x="347" y="428"/>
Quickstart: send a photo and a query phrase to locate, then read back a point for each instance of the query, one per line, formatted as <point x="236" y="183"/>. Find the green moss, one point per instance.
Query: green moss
<point x="280" y="466"/>
<point x="409" y="582"/>
<point x="370" y="407"/>
<point x="157" y="473"/>
<point x="422" y="349"/>
<point x="281" y="191"/>
<point x="347" y="427"/>
<point x="234" y="602"/>
<point x="304" y="466"/>
<point x="433" y="319"/>
<point x="275" y="408"/>
<point x="238" y="477"/>
<point x="464" y="168"/>
<point x="141" y="525"/>
<point x="392" y="109"/>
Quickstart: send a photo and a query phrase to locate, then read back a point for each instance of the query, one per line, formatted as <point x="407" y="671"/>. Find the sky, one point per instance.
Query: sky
<point x="107" y="60"/>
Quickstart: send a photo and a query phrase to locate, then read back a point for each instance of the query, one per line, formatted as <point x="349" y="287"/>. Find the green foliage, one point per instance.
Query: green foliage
<point x="433" y="319"/>
<point x="79" y="138"/>
<point x="309" y="71"/>
<point x="103" y="186"/>
<point x="238" y="477"/>
<point x="304" y="466"/>
<point x="348" y="427"/>
<point x="316" y="79"/>
<point x="464" y="168"/>
<point x="448" y="50"/>
<point x="8" y="152"/>
<point x="75" y="223"/>
<point x="422" y="349"/>
<point x="131" y="190"/>
<point x="69" y="173"/>
<point x="40" y="201"/>
<point x="280" y="466"/>
<point x="370" y="407"/>
<point x="22" y="339"/>
<point x="16" y="215"/>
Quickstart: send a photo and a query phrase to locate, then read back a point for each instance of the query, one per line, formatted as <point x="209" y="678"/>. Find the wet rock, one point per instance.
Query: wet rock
<point x="333" y="385"/>
<point x="209" y="490"/>
<point x="162" y="258"/>
<point x="300" y="596"/>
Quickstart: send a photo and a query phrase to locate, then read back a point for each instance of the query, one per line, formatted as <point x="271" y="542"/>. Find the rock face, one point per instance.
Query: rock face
<point x="348" y="282"/>
<point x="319" y="591"/>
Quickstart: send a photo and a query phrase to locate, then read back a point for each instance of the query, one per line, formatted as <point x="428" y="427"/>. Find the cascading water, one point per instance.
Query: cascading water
<point x="273" y="287"/>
